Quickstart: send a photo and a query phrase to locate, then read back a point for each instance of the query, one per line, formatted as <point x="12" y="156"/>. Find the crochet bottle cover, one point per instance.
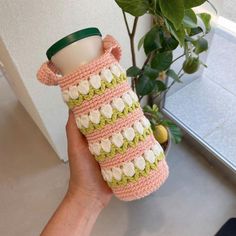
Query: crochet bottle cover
<point x="108" y="113"/>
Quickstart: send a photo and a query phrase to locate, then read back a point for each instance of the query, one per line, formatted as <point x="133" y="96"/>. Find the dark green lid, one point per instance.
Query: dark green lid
<point x="71" y="38"/>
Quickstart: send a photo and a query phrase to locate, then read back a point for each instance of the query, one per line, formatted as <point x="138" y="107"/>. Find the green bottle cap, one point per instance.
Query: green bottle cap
<point x="71" y="38"/>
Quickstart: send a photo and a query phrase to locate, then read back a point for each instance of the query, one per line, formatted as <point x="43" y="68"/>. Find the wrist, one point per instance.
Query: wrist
<point x="85" y="200"/>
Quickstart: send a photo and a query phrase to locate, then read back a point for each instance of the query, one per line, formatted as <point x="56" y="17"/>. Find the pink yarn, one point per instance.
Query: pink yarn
<point x="138" y="188"/>
<point x="145" y="185"/>
<point x="48" y="73"/>
<point x="120" y="124"/>
<point x="130" y="154"/>
<point x="98" y="100"/>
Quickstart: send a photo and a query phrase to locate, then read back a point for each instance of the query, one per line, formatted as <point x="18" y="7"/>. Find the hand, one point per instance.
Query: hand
<point x="87" y="194"/>
<point x="85" y="175"/>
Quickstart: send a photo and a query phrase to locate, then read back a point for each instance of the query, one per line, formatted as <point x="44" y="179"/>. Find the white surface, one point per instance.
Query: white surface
<point x="28" y="28"/>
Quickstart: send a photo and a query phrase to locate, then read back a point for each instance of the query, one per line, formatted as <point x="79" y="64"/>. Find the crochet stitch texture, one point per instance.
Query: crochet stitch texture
<point x="108" y="113"/>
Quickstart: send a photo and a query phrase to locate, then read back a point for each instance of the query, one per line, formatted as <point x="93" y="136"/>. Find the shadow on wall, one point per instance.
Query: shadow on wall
<point x="17" y="128"/>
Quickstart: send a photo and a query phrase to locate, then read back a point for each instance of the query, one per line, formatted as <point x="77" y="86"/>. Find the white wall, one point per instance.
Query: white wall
<point x="28" y="28"/>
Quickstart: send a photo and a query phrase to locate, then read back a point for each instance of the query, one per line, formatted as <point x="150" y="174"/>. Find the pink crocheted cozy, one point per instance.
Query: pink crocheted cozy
<point x="108" y="113"/>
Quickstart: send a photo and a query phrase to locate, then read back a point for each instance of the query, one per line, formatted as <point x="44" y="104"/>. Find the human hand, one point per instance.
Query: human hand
<point x="87" y="193"/>
<point x="85" y="177"/>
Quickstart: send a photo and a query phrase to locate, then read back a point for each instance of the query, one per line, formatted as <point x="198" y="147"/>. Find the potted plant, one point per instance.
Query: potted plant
<point x="175" y="24"/>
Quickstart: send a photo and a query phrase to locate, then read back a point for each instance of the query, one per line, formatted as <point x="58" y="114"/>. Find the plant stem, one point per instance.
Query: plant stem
<point x="214" y="8"/>
<point x="144" y="64"/>
<point x="174" y="81"/>
<point x="140" y="98"/>
<point x="180" y="71"/>
<point x="132" y="41"/>
<point x="132" y="46"/>
<point x="156" y="96"/>
<point x="168" y="88"/>
<point x="146" y="61"/>
<point x="126" y="23"/>
<point x="177" y="58"/>
<point x="186" y="50"/>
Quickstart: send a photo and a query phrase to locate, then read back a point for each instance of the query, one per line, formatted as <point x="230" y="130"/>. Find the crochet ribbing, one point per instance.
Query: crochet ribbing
<point x="108" y="113"/>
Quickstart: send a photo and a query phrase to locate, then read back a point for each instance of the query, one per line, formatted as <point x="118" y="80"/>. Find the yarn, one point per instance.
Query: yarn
<point x="103" y="121"/>
<point x="108" y="113"/>
<point x="72" y="102"/>
<point x="122" y="149"/>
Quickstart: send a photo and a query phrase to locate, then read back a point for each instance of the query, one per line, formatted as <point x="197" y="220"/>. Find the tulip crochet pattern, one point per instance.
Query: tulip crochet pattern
<point x="108" y="113"/>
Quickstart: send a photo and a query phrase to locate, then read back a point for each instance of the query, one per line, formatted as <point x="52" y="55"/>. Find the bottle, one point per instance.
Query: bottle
<point x="75" y="50"/>
<point x="107" y="112"/>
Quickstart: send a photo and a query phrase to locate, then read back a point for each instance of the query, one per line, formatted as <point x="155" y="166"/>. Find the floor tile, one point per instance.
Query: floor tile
<point x="223" y="139"/>
<point x="201" y="105"/>
<point x="222" y="61"/>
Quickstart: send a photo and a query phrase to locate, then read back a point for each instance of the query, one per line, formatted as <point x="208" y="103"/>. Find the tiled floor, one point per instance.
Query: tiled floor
<point x="196" y="200"/>
<point x="228" y="11"/>
<point x="208" y="104"/>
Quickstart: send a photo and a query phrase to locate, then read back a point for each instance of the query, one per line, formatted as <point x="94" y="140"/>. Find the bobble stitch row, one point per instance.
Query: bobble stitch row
<point x="129" y="169"/>
<point x="94" y="81"/>
<point x="107" y="111"/>
<point x="118" y="139"/>
<point x="107" y="121"/>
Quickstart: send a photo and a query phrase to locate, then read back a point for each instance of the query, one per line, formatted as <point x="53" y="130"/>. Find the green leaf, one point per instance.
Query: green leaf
<point x="153" y="111"/>
<point x="153" y="124"/>
<point x="195" y="31"/>
<point x="173" y="75"/>
<point x="201" y="45"/>
<point x="152" y="40"/>
<point x="193" y="3"/>
<point x="162" y="61"/>
<point x="169" y="43"/>
<point x="155" y="108"/>
<point x="141" y="41"/>
<point x="145" y="85"/>
<point x="206" y="19"/>
<point x="134" y="7"/>
<point x="176" y="134"/>
<point x="147" y="108"/>
<point x="150" y="72"/>
<point x="160" y="86"/>
<point x="178" y="34"/>
<point x="173" y="10"/>
<point x="175" y="131"/>
<point x="133" y="71"/>
<point x="190" y="19"/>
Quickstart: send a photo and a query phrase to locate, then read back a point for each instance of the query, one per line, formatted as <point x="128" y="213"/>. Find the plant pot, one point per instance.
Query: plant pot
<point x="167" y="145"/>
